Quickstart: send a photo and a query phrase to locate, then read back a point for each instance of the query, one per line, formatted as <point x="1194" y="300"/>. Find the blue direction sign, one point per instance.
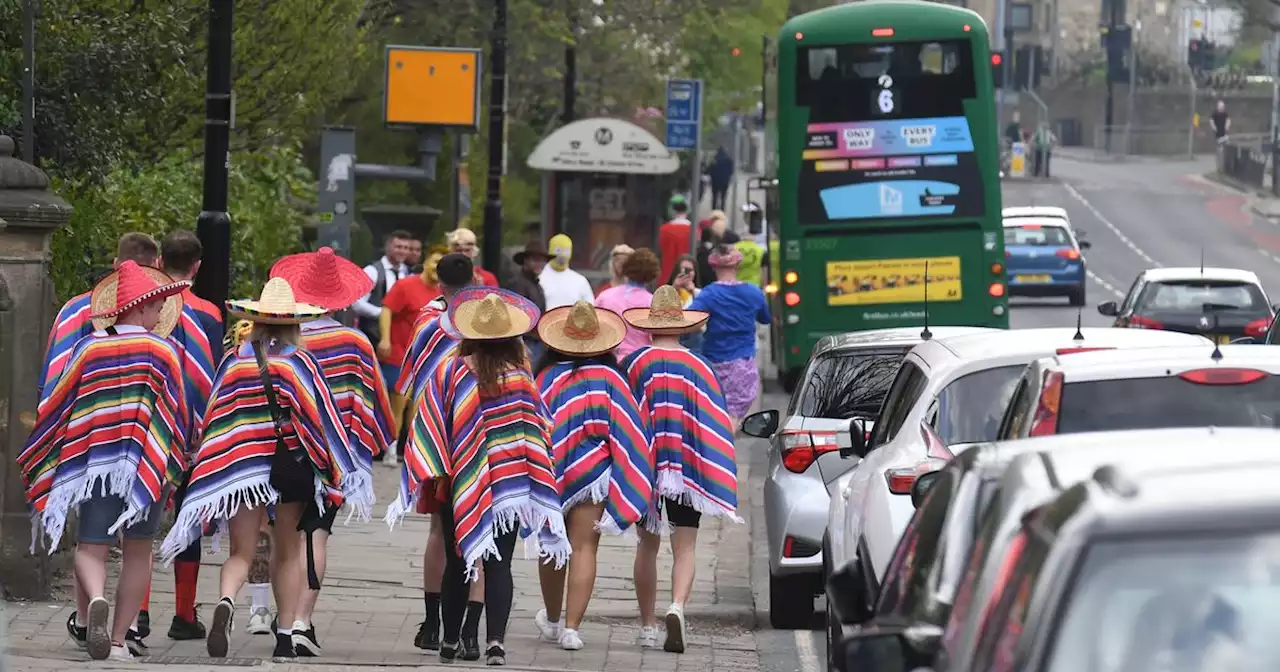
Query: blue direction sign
<point x="684" y="113"/>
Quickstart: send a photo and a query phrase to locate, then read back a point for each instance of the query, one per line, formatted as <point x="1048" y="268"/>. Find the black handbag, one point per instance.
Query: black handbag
<point x="291" y="472"/>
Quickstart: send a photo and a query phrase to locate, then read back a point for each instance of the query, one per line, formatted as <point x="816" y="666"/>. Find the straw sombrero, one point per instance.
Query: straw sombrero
<point x="131" y="286"/>
<point x="489" y="313"/>
<point x="665" y="316"/>
<point x="581" y="329"/>
<point x="323" y="278"/>
<point x="275" y="306"/>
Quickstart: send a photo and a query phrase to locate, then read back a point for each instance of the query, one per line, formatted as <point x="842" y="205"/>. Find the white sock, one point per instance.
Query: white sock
<point x="301" y="626"/>
<point x="284" y="631"/>
<point x="260" y="596"/>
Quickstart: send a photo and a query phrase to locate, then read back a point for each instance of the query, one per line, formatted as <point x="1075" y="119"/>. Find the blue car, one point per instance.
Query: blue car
<point x="1042" y="258"/>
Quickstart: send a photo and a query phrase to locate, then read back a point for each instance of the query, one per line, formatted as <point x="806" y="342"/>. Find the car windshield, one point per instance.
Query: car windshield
<point x="846" y="384"/>
<point x="1191" y="295"/>
<point x="1035" y="234"/>
<point x="1167" y="401"/>
<point x="1192" y="603"/>
<point x="971" y="407"/>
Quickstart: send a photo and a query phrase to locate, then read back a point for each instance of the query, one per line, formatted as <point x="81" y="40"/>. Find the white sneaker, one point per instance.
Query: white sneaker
<point x="259" y="622"/>
<point x="550" y="631"/>
<point x="120" y="654"/>
<point x="569" y="640"/>
<point x="648" y="638"/>
<point x="675" y="630"/>
<point x="389" y="458"/>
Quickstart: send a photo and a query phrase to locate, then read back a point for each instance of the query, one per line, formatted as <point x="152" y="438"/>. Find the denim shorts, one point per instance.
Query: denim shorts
<point x="390" y="374"/>
<point x="101" y="511"/>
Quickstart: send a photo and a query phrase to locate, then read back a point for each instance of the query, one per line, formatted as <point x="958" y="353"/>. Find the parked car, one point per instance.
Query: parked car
<point x="1174" y="569"/>
<point x="1037" y="213"/>
<point x="1224" y="304"/>
<point x="962" y="573"/>
<point x="847" y="376"/>
<point x="1043" y="257"/>
<point x="949" y="393"/>
<point x="1200" y="386"/>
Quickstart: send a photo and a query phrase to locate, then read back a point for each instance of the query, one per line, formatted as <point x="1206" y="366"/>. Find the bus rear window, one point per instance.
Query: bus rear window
<point x="893" y="80"/>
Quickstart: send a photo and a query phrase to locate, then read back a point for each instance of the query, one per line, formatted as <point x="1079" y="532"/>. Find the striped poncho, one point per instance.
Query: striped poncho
<point x="494" y="452"/>
<point x="71" y="325"/>
<point x="692" y="434"/>
<point x="428" y="348"/>
<point x="355" y="380"/>
<point x="115" y="417"/>
<point x="599" y="441"/>
<point x="233" y="466"/>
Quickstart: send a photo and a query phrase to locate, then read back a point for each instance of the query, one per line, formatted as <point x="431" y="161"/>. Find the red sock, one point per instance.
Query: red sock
<point x="146" y="600"/>
<point x="185" y="575"/>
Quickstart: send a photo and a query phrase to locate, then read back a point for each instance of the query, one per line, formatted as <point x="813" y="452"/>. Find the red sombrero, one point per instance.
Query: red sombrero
<point x="131" y="286"/>
<point x="323" y="278"/>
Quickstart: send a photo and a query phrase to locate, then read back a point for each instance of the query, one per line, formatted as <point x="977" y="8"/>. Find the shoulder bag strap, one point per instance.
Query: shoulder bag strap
<point x="269" y="389"/>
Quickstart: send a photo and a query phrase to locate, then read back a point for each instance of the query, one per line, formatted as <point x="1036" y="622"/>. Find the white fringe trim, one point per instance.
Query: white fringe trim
<point x="595" y="493"/>
<point x="671" y="485"/>
<point x="190" y="521"/>
<point x="116" y="480"/>
<point x="608" y="526"/>
<point x="396" y="511"/>
<point x="357" y="489"/>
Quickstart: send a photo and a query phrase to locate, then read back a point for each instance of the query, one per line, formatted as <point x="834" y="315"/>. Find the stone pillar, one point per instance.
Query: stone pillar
<point x="29" y="216"/>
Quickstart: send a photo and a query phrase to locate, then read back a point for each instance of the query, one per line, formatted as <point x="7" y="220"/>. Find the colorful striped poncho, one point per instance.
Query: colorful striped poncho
<point x="428" y="348"/>
<point x="692" y="434"/>
<point x="116" y="416"/>
<point x="355" y="380"/>
<point x="71" y="325"/>
<point x="233" y="466"/>
<point x="599" y="441"/>
<point x="494" y="452"/>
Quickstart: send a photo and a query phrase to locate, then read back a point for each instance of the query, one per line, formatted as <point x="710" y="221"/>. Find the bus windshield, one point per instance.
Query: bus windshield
<point x="845" y="83"/>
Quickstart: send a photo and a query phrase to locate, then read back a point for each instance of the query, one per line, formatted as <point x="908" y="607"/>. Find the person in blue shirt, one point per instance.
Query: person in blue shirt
<point x="729" y="343"/>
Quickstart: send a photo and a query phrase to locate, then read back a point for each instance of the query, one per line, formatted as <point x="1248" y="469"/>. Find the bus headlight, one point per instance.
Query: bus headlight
<point x="997" y="311"/>
<point x="793" y="319"/>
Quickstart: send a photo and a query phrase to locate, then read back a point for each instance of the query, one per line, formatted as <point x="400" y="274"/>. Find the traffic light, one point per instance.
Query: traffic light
<point x="737" y="51"/>
<point x="997" y="69"/>
<point x="1193" y="54"/>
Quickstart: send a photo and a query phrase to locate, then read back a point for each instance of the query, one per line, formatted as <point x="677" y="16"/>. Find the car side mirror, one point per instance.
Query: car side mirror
<point x="1275" y="308"/>
<point x="891" y="648"/>
<point x="1084" y="244"/>
<point x="853" y="441"/>
<point x="761" y="425"/>
<point x="1109" y="308"/>
<point x="847" y="591"/>
<point x="920" y="488"/>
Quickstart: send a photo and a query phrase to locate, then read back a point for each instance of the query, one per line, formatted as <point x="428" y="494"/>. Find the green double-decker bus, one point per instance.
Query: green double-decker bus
<point x="882" y="133"/>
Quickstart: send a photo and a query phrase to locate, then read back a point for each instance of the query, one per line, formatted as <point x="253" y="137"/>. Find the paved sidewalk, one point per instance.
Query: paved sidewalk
<point x="372" y="604"/>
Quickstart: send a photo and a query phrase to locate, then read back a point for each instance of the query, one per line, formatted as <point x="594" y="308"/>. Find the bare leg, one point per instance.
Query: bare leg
<point x="433" y="559"/>
<point x="582" y="564"/>
<point x="243" y="528"/>
<point x="91" y="571"/>
<point x="683" y="542"/>
<point x="135" y="577"/>
<point x="477" y="586"/>
<point x="552" y="583"/>
<point x="307" y="601"/>
<point x="289" y="579"/>
<point x="82" y="599"/>
<point x="646" y="575"/>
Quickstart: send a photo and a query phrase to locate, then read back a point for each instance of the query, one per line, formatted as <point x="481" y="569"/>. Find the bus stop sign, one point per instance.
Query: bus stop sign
<point x="684" y="113"/>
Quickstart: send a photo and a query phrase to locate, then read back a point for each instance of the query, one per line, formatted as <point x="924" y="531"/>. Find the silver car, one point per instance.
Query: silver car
<point x="847" y="376"/>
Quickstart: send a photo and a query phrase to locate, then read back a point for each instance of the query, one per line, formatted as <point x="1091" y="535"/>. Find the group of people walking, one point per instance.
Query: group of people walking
<point x="611" y="425"/>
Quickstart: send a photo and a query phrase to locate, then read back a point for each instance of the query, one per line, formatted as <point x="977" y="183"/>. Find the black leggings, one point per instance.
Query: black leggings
<point x="498" y="587"/>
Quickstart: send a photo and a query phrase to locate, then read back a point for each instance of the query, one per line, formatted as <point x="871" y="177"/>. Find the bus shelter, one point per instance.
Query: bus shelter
<point x="603" y="184"/>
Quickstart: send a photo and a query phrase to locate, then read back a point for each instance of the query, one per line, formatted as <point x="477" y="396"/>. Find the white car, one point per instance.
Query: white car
<point x="1035" y="212"/>
<point x="949" y="392"/>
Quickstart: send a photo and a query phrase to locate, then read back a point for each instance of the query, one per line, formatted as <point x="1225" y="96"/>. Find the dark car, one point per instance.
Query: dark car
<point x="1223" y="304"/>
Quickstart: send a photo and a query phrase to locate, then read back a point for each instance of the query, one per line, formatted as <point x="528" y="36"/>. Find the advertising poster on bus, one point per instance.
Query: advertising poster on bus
<point x="873" y="281"/>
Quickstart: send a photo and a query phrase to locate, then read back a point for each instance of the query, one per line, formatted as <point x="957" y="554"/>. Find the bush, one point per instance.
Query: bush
<point x="267" y="190"/>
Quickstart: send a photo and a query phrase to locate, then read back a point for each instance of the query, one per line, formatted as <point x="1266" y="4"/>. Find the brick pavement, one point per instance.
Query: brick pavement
<point x="369" y="612"/>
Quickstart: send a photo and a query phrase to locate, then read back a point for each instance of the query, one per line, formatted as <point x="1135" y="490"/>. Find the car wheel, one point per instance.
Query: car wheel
<point x="790" y="601"/>
<point x="1076" y="297"/>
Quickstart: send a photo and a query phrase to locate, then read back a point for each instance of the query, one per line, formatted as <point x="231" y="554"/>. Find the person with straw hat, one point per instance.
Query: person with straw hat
<point x="272" y="436"/>
<point x="481" y="427"/>
<point x="692" y="447"/>
<point x="600" y="448"/>
<point x="350" y="368"/>
<point x="729" y="344"/>
<point x="108" y="442"/>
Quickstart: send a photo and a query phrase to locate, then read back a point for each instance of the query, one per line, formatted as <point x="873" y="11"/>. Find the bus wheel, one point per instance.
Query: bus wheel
<point x="789" y="379"/>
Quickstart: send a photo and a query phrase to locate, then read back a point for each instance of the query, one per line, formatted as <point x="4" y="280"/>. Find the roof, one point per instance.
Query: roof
<point x="1195" y="273"/>
<point x="1031" y="344"/>
<point x="1016" y="222"/>
<point x="1034" y="211"/>
<point x="894" y="337"/>
<point x="1194" y="497"/>
<point x="1134" y="363"/>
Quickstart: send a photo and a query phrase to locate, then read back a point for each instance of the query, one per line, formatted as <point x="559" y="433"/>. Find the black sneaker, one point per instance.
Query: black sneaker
<point x="305" y="643"/>
<point x="133" y="640"/>
<point x="470" y="648"/>
<point x="495" y="655"/>
<point x="144" y="623"/>
<point x="428" y="639"/>
<point x="80" y="634"/>
<point x="220" y="629"/>
<point x="284" y="651"/>
<point x="98" y="629"/>
<point x="182" y="630"/>
<point x="449" y="652"/>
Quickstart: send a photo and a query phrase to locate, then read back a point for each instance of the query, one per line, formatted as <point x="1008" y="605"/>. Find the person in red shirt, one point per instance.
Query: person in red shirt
<point x="463" y="241"/>
<point x="400" y="310"/>
<point x="675" y="238"/>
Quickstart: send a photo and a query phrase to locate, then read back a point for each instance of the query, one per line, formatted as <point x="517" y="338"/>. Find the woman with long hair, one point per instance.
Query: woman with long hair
<point x="684" y="277"/>
<point x="601" y="452"/>
<point x="482" y="429"/>
<point x="272" y="436"/>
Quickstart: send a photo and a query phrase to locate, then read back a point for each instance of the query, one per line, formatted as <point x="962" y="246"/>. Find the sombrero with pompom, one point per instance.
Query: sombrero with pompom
<point x="276" y="305"/>
<point x="489" y="313"/>
<point x="130" y="286"/>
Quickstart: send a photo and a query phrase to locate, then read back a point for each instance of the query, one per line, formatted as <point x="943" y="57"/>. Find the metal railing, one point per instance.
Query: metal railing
<point x="1246" y="158"/>
<point x="1119" y="142"/>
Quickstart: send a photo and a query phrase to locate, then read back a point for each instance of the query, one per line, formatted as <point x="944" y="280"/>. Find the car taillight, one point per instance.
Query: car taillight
<point x="1072" y="351"/>
<point x="1258" y="328"/>
<point x="791" y="299"/>
<point x="902" y="480"/>
<point x="800" y="449"/>
<point x="1140" y="322"/>
<point x="1069" y="253"/>
<point x="1223" y="376"/>
<point x="1045" y="422"/>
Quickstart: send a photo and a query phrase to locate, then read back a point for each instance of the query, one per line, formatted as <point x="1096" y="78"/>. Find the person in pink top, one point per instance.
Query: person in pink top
<point x="640" y="270"/>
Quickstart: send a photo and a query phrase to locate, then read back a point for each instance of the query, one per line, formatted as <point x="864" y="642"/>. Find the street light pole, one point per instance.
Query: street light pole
<point x="214" y="224"/>
<point x="29" y="81"/>
<point x="492" y="251"/>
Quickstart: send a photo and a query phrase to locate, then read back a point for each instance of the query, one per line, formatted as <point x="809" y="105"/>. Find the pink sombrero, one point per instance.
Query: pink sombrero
<point x="323" y="278"/>
<point x="489" y="313"/>
<point x="131" y="286"/>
